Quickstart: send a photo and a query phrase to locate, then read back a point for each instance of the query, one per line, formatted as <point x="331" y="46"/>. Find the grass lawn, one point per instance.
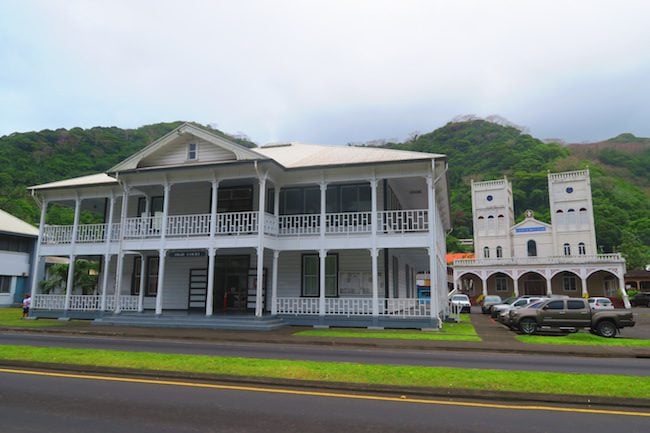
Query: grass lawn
<point x="463" y="331"/>
<point x="438" y="377"/>
<point x="12" y="317"/>
<point x="582" y="339"/>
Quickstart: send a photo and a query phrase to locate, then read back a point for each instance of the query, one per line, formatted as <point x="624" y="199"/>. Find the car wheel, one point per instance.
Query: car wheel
<point x="528" y="326"/>
<point x="606" y="329"/>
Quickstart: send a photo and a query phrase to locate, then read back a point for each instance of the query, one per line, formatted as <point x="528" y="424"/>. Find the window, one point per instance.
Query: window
<point x="486" y="252"/>
<point x="156" y="205"/>
<point x="311" y="275"/>
<point x="500" y="222"/>
<point x="296" y="201"/>
<point x="555" y="305"/>
<point x="192" y="151"/>
<point x="499" y="252"/>
<point x="490" y="224"/>
<point x="135" y="277"/>
<point x="5" y="283"/>
<point x="532" y="248"/>
<point x="581" y="249"/>
<point x="481" y="223"/>
<point x="567" y="249"/>
<point x="151" y="282"/>
<point x="582" y="216"/>
<point x="571" y="216"/>
<point x="570" y="283"/>
<point x="502" y="284"/>
<point x="560" y="216"/>
<point x="14" y="243"/>
<point x="575" y="305"/>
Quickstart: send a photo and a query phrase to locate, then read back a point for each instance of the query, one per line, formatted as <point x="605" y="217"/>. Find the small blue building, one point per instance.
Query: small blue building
<point x="17" y="243"/>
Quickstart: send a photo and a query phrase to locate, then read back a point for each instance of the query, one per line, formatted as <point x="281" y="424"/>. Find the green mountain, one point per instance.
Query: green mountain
<point x="476" y="149"/>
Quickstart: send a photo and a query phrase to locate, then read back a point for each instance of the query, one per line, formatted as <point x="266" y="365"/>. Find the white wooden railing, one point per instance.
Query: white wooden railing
<point x="188" y="225"/>
<point x="348" y="222"/>
<point x="91" y="233"/>
<point x="403" y="307"/>
<point x="228" y="223"/>
<point x="297" y="305"/>
<point x="403" y="221"/>
<point x="348" y="306"/>
<point x="83" y="302"/>
<point x="292" y="225"/>
<point x="235" y="223"/>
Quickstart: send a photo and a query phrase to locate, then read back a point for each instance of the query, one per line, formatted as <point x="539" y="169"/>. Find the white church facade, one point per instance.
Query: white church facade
<point x="533" y="257"/>
<point x="196" y="224"/>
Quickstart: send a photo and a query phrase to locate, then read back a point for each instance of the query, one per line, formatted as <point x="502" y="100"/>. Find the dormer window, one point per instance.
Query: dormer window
<point x="192" y="151"/>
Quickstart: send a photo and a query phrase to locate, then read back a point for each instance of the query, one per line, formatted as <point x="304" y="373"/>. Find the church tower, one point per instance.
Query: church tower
<point x="572" y="213"/>
<point x="493" y="217"/>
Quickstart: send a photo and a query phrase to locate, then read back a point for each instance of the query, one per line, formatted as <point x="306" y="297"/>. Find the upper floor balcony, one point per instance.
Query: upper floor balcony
<point x="240" y="223"/>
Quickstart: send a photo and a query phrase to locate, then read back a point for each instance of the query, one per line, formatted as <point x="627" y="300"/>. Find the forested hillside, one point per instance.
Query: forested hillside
<point x="476" y="149"/>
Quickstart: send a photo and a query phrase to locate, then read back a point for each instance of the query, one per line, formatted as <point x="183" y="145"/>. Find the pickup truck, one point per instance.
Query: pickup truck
<point x="570" y="314"/>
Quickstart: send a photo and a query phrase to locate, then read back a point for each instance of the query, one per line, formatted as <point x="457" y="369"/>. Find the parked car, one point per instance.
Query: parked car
<point x="461" y="302"/>
<point x="641" y="299"/>
<point x="570" y="314"/>
<point x="598" y="303"/>
<point x="488" y="302"/>
<point x="520" y="303"/>
<point x="507" y="319"/>
<point x="497" y="309"/>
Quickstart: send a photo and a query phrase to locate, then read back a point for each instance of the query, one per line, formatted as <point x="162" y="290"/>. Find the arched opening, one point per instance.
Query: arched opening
<point x="559" y="214"/>
<point x="567" y="249"/>
<point x="581" y="249"/>
<point x="571" y="216"/>
<point x="566" y="283"/>
<point x="582" y="216"/>
<point x="500" y="284"/>
<point x="486" y="252"/>
<point x="490" y="222"/>
<point x="471" y="285"/>
<point x="531" y="246"/>
<point x="605" y="283"/>
<point x="532" y="283"/>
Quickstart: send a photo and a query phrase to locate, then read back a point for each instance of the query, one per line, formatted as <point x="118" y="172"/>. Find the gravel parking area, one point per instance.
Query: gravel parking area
<point x="642" y="327"/>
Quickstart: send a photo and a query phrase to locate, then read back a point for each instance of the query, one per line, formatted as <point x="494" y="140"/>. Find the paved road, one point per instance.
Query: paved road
<point x="30" y="403"/>
<point x="623" y="366"/>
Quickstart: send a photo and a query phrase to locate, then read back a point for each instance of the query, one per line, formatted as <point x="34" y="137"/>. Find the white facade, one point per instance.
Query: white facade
<point x="533" y="257"/>
<point x="17" y="240"/>
<point x="205" y="224"/>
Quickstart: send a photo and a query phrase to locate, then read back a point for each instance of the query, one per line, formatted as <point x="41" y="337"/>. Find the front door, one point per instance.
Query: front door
<point x="231" y="283"/>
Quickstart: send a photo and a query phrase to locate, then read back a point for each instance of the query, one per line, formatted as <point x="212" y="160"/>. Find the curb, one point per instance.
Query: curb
<point x="451" y="394"/>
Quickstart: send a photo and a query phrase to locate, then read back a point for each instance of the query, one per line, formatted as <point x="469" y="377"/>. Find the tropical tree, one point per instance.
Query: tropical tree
<point x="85" y="277"/>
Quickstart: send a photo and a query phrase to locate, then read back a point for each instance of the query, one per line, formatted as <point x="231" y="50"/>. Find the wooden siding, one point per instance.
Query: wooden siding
<point x="176" y="153"/>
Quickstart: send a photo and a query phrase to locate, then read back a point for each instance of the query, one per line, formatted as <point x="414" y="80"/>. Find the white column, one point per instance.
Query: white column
<point x="516" y="285"/>
<point x="323" y="209"/>
<point x="120" y="257"/>
<point x="105" y="270"/>
<point x="259" y="304"/>
<point x="321" y="282"/>
<point x="549" y="285"/>
<point x="75" y="229"/>
<point x="143" y="271"/>
<point x="37" y="249"/>
<point x="626" y="299"/>
<point x="584" y="286"/>
<point x="274" y="282"/>
<point x="161" y="278"/>
<point x="70" y="281"/>
<point x="209" y="298"/>
<point x="163" y="226"/>
<point x="484" y="284"/>
<point x="374" y="253"/>
<point x="276" y="201"/>
<point x="373" y="209"/>
<point x="433" y="270"/>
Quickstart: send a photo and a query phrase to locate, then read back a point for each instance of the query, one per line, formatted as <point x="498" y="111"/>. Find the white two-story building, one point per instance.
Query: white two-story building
<point x="196" y="223"/>
<point x="533" y="257"/>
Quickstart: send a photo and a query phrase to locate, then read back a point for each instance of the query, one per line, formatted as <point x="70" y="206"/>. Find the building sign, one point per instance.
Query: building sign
<point x="530" y="229"/>
<point x="187" y="253"/>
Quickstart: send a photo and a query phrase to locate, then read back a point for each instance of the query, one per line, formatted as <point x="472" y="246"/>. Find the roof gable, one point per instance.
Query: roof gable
<point x="171" y="149"/>
<point x="531" y="225"/>
<point x="15" y="226"/>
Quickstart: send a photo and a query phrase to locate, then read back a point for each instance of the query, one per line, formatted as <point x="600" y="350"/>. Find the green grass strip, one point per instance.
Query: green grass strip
<point x="438" y="377"/>
<point x="12" y="317"/>
<point x="583" y="339"/>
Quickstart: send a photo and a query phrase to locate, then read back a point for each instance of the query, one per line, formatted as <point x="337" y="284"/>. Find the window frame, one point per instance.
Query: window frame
<point x="5" y="284"/>
<point x="331" y="277"/>
<point x="569" y="283"/>
<point x="192" y="151"/>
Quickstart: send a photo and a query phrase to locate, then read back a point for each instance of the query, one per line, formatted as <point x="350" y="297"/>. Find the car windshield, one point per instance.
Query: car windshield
<point x="459" y="298"/>
<point x="492" y="299"/>
<point x="509" y="301"/>
<point x="535" y="304"/>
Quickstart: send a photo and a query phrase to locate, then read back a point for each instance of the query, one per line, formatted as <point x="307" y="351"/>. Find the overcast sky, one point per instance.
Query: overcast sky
<point x="327" y="71"/>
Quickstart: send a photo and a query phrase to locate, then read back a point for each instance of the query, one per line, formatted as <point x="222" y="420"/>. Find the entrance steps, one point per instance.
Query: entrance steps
<point x="229" y="322"/>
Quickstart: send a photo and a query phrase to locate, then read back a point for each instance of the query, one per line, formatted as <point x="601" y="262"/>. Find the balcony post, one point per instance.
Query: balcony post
<point x="209" y="297"/>
<point x="163" y="226"/>
<point x="108" y="232"/>
<point x="274" y="283"/>
<point x="431" y="234"/>
<point x="162" y="254"/>
<point x="373" y="208"/>
<point x="107" y="263"/>
<point x="75" y="225"/>
<point x="37" y="258"/>
<point x="120" y="256"/>
<point x="213" y="211"/>
<point x="374" y="253"/>
<point x="259" y="304"/>
<point x="321" y="274"/>
<point x="323" y="205"/>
